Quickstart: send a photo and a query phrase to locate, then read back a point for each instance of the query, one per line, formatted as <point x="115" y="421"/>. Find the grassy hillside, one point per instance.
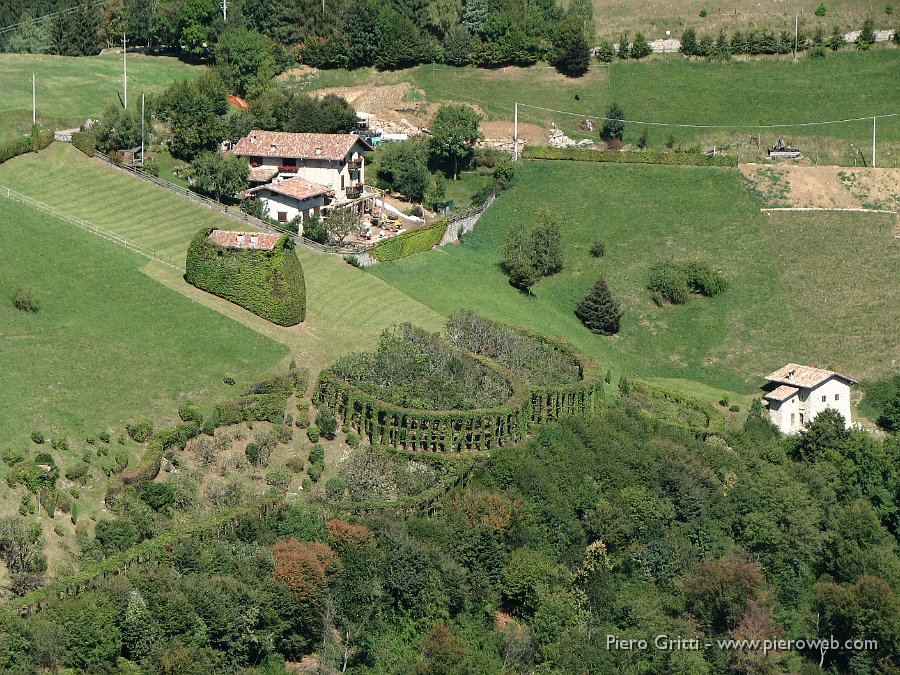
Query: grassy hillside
<point x="770" y="90"/>
<point x="799" y="286"/>
<point x="614" y="16"/>
<point x="70" y="89"/>
<point x="347" y="309"/>
<point x="108" y="345"/>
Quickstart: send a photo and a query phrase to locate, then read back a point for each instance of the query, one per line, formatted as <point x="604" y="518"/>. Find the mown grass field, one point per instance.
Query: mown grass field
<point x="69" y="90"/>
<point x="614" y="16"/>
<point x="813" y="288"/>
<point x="347" y="308"/>
<point x="109" y="345"/>
<point x="671" y="89"/>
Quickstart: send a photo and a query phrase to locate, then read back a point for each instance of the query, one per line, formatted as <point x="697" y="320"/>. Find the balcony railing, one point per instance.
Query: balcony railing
<point x="354" y="191"/>
<point x="355" y="164"/>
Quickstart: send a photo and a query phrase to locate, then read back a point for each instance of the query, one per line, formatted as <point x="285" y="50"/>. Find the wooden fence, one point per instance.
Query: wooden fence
<point x="233" y="212"/>
<point x="145" y="251"/>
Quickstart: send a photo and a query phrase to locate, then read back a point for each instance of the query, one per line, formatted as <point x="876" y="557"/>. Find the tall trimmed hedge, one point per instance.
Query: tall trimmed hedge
<point x="85" y="141"/>
<point x="35" y="142"/>
<point x="409" y="243"/>
<point x="265" y="401"/>
<point x="268" y="283"/>
<point x="628" y="157"/>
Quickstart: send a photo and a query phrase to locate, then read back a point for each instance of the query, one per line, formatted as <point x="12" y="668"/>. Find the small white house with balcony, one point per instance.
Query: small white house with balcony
<point x="335" y="162"/>
<point x="285" y="200"/>
<point x="796" y="394"/>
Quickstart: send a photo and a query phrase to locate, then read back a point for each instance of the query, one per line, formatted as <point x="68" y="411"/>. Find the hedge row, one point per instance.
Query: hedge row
<point x="160" y="441"/>
<point x="158" y="550"/>
<point x="268" y="283"/>
<point x="265" y="401"/>
<point x="409" y="243"/>
<point x="384" y="423"/>
<point x="86" y="142"/>
<point x="37" y="141"/>
<point x="671" y="408"/>
<point x="628" y="157"/>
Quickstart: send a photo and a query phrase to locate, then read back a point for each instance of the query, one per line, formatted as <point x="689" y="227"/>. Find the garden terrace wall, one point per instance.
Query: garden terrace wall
<point x="268" y="283"/>
<point x="628" y="157"/>
<point x="387" y="424"/>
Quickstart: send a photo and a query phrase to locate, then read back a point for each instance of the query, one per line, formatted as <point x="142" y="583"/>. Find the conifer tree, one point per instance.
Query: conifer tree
<point x="599" y="311"/>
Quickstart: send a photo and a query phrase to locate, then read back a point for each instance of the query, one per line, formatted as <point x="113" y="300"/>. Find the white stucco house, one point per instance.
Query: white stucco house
<point x="284" y="200"/>
<point x="334" y="161"/>
<point x="795" y="394"/>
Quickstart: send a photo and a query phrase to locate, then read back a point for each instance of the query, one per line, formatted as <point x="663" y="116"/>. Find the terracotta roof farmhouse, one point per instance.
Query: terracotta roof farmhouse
<point x="796" y="394"/>
<point x="297" y="146"/>
<point x="260" y="241"/>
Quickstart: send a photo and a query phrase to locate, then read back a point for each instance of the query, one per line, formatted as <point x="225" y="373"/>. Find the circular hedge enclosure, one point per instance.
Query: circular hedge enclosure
<point x="269" y="283"/>
<point x="579" y="392"/>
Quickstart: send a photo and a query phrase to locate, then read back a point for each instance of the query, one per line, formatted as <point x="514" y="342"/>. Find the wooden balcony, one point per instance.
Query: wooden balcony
<point x="355" y="164"/>
<point x="354" y="191"/>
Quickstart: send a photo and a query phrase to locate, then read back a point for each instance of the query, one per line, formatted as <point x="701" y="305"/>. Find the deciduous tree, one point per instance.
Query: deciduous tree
<point x="454" y="132"/>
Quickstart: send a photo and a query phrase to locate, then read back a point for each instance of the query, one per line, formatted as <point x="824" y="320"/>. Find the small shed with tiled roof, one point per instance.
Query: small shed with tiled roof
<point x="796" y="394"/>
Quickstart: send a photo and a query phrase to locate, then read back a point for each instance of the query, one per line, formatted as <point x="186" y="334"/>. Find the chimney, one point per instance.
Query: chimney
<point x="318" y="152"/>
<point x="254" y="239"/>
<point x="240" y="239"/>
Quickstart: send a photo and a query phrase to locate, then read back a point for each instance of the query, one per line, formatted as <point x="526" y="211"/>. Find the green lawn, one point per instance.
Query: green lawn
<point x="347" y="308"/>
<point x="108" y="345"/>
<point x="614" y="16"/>
<point x="70" y="89"/>
<point x="771" y="90"/>
<point x="815" y="289"/>
<point x="140" y="212"/>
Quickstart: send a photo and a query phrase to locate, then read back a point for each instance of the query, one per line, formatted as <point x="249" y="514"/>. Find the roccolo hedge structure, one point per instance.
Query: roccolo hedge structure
<point x="386" y="423"/>
<point x="258" y="271"/>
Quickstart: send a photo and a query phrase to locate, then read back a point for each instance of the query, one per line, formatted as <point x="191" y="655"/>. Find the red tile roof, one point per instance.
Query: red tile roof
<point x="262" y="174"/>
<point x="261" y="241"/>
<point x="298" y="188"/>
<point x="804" y="376"/>
<point x="781" y="393"/>
<point x="299" y="146"/>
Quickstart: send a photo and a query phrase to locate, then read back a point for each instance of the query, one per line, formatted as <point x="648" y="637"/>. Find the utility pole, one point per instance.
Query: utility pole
<point x="796" y="34"/>
<point x="225" y="11"/>
<point x="873" y="141"/>
<point x="516" y="133"/>
<point x="142" y="130"/>
<point x="33" y="102"/>
<point x="125" y="71"/>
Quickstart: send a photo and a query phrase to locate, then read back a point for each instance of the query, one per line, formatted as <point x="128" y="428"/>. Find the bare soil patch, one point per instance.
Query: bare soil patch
<point x="503" y="130"/>
<point x="825" y="186"/>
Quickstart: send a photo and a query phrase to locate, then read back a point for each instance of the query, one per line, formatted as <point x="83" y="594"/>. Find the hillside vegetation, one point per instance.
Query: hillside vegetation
<point x="71" y="89"/>
<point x="794" y="282"/>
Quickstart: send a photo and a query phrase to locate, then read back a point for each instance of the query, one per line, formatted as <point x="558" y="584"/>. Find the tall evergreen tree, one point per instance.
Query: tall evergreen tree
<point x="357" y="29"/>
<point x="599" y="311"/>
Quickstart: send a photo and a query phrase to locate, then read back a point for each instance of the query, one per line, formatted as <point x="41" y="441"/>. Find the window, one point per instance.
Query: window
<point x="282" y="216"/>
<point x="824" y="398"/>
<point x="801" y="419"/>
<point x="837" y="396"/>
<point x="792" y="419"/>
<point x="342" y="181"/>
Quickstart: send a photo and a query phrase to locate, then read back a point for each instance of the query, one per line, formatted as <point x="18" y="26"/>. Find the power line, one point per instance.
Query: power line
<point x="47" y="17"/>
<point x="713" y="126"/>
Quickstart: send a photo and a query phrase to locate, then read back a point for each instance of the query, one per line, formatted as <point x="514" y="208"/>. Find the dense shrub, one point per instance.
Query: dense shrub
<point x="598" y="249"/>
<point x="630" y="157"/>
<point x="352" y="439"/>
<point x="268" y="283"/>
<point x="37" y="437"/>
<point x="531" y="356"/>
<point x="313" y="434"/>
<point x="263" y="401"/>
<point x="140" y="431"/>
<point x="673" y="282"/>
<point x="326" y="422"/>
<point x="15" y="148"/>
<point x="104" y="436"/>
<point x="415" y="369"/>
<point x="25" y="300"/>
<point x="334" y="487"/>
<point x="409" y="243"/>
<point x="188" y="412"/>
